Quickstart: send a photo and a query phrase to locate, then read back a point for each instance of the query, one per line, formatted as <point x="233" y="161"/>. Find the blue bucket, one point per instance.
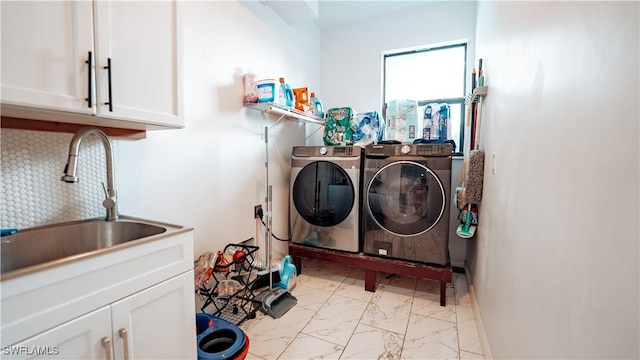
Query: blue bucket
<point x="217" y="338"/>
<point x="203" y="323"/>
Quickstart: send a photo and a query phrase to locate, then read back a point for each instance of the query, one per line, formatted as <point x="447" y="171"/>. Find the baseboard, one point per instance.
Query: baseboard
<point x="486" y="350"/>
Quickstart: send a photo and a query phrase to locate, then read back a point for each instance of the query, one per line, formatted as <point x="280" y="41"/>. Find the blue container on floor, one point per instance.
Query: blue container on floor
<point x="288" y="274"/>
<point x="217" y="338"/>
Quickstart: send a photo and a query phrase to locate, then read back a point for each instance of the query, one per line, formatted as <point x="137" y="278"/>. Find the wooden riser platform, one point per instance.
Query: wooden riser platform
<point x="372" y="264"/>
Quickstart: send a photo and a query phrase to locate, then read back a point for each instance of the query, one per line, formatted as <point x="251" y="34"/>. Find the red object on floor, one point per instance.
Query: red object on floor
<point x="245" y="350"/>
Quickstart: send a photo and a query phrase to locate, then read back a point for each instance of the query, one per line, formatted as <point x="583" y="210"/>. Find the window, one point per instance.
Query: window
<point x="429" y="76"/>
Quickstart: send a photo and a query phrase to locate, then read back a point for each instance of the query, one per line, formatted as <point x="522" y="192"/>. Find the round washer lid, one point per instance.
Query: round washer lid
<point x="405" y="198"/>
<point x="323" y="194"/>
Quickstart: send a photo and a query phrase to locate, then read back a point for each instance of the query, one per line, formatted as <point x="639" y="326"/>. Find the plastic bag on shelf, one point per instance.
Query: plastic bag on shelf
<point x="369" y="128"/>
<point x="338" y="129"/>
<point x="203" y="269"/>
<point x="228" y="287"/>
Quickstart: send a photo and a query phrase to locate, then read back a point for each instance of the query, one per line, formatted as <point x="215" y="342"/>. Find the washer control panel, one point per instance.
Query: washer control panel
<point x="431" y="150"/>
<point x="409" y="149"/>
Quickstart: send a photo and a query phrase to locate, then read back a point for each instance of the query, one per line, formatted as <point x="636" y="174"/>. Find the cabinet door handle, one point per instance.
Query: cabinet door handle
<point x="108" y="67"/>
<point x="125" y="337"/>
<point x="89" y="90"/>
<point x="106" y="343"/>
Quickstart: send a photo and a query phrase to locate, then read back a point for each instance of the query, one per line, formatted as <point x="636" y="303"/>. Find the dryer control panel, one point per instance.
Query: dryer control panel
<point x="434" y="150"/>
<point x="342" y="151"/>
<point x="406" y="149"/>
<point x="326" y="151"/>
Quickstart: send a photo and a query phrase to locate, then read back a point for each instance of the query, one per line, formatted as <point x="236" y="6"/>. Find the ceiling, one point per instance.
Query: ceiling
<point x="333" y="13"/>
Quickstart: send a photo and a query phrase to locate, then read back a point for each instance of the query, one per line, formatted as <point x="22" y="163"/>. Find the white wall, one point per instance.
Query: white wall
<point x="211" y="174"/>
<point x="351" y="54"/>
<point x="351" y="66"/>
<point x="555" y="265"/>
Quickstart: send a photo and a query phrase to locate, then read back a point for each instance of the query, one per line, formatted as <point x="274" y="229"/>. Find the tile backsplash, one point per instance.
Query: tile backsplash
<point x="31" y="192"/>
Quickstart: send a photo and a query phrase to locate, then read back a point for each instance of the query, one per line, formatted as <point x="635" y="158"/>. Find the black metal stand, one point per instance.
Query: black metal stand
<point x="237" y="307"/>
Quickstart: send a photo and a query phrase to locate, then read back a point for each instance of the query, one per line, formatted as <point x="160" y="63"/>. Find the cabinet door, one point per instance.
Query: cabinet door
<point x="142" y="41"/>
<point x="159" y="322"/>
<point x="45" y="45"/>
<point x="81" y="338"/>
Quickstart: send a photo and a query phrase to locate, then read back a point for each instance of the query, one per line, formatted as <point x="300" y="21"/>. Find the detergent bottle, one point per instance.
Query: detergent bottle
<point x="285" y="97"/>
<point x="250" y="88"/>
<point x="288" y="274"/>
<point x="316" y="105"/>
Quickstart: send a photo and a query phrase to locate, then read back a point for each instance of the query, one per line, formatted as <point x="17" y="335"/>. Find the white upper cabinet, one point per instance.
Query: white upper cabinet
<point x="141" y="40"/>
<point x="45" y="47"/>
<point x="114" y="63"/>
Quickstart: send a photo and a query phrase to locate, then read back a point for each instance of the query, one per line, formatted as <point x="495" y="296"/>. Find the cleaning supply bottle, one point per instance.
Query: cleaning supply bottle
<point x="285" y="97"/>
<point x="316" y="105"/>
<point x="302" y="99"/>
<point x="250" y="88"/>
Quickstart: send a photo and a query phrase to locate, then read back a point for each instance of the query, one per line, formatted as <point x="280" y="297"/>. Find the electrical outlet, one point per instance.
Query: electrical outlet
<point x="494" y="163"/>
<point x="257" y="210"/>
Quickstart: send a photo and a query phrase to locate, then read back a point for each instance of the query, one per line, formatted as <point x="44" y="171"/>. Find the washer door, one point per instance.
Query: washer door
<point x="405" y="198"/>
<point x="323" y="194"/>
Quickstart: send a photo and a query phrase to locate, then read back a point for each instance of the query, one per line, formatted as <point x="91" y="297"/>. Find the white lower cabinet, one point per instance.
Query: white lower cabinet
<point x="155" y="323"/>
<point x="137" y="297"/>
<point x="80" y="338"/>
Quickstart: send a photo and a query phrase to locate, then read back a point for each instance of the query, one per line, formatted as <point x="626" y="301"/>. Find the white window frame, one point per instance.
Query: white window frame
<point x="422" y="102"/>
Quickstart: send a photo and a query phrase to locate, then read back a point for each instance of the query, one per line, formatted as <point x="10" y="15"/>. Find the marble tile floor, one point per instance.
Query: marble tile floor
<point x="335" y="318"/>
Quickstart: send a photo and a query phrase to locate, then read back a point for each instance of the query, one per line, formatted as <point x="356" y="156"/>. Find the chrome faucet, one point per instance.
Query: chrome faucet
<point x="72" y="163"/>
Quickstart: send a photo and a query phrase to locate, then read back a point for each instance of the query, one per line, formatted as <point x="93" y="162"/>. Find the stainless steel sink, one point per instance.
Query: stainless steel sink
<point x="46" y="244"/>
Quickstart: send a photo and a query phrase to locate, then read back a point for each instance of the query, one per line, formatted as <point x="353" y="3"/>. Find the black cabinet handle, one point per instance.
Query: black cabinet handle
<point x="90" y="92"/>
<point x="108" y="67"/>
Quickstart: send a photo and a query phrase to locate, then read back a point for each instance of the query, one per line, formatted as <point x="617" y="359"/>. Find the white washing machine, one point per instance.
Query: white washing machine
<point x="406" y="199"/>
<point x="325" y="196"/>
